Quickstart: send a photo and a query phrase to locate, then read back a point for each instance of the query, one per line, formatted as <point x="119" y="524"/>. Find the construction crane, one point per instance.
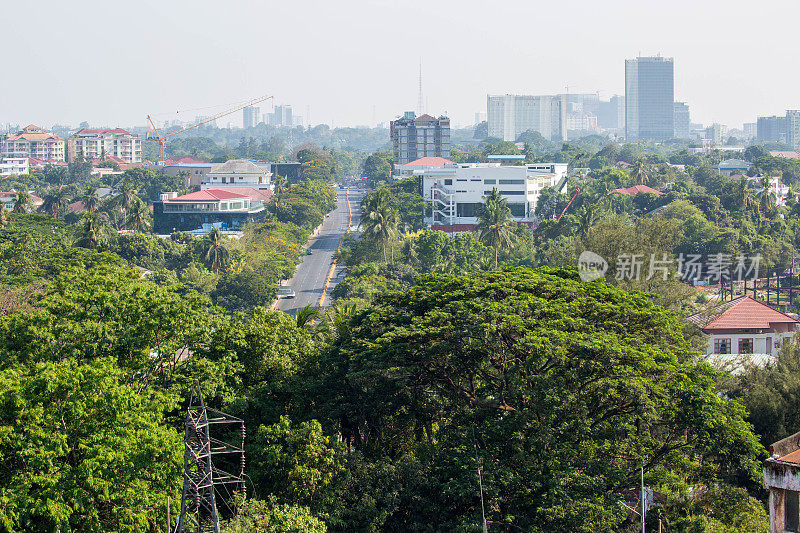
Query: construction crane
<point x="162" y="139"/>
<point x="577" y="192"/>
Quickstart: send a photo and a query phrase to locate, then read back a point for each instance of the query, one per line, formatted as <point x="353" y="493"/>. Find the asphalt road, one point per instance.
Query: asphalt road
<point x="309" y="278"/>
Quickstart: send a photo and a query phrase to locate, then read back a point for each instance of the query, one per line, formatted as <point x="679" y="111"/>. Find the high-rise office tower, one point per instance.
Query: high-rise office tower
<point x="793" y="128"/>
<point x="512" y="114"/>
<point x="250" y="116"/>
<point x="649" y="98"/>
<point x="611" y="114"/>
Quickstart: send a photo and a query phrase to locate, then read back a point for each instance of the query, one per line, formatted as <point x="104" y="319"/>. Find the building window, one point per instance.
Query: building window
<point x="489" y="182"/>
<point x="791" y="511"/>
<point x="512" y="182"/>
<point x="448" y="182"/>
<point x="467" y="209"/>
<point x="745" y="345"/>
<point x="722" y="346"/>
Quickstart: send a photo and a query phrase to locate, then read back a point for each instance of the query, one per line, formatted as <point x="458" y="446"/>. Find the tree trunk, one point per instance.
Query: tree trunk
<point x="495" y="257"/>
<point x="384" y="252"/>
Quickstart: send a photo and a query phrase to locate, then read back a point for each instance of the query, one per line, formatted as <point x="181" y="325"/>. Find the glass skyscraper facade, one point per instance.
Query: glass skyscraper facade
<point x="649" y="98"/>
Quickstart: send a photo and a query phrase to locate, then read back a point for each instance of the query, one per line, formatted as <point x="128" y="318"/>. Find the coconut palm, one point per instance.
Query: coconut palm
<point x="281" y="184"/>
<point x="217" y="253"/>
<point x="745" y="194"/>
<point x="494" y="223"/>
<point x="138" y="218"/>
<point x="90" y="199"/>
<point x="93" y="232"/>
<point x="587" y="217"/>
<point x="305" y="316"/>
<point x="766" y="198"/>
<point x="22" y="202"/>
<point x="640" y="173"/>
<point x="379" y="220"/>
<point x="55" y="202"/>
<point x="5" y="219"/>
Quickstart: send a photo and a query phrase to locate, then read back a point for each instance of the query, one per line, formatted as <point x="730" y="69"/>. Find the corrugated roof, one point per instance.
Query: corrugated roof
<point x="734" y="163"/>
<point x="793" y="457"/>
<point x="102" y="131"/>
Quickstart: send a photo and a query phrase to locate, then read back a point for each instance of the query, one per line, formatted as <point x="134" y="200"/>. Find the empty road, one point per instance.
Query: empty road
<point x="309" y="278"/>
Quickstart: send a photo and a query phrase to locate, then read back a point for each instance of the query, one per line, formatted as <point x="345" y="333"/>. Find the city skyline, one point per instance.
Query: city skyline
<point x="345" y="71"/>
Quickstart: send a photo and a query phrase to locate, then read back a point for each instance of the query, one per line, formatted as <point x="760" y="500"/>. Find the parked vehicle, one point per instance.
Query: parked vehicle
<point x="286" y="292"/>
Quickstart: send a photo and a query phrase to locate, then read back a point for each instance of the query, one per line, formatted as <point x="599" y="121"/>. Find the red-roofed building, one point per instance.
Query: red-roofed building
<point x="102" y="144"/>
<point x="185" y="159"/>
<point x="32" y="141"/>
<point x="745" y="327"/>
<point x="423" y="163"/>
<point x="786" y="154"/>
<point x="782" y="478"/>
<point x="637" y="189"/>
<point x="225" y="208"/>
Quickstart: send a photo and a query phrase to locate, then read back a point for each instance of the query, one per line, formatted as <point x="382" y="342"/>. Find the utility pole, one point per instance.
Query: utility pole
<point x="201" y="476"/>
<point x="643" y="502"/>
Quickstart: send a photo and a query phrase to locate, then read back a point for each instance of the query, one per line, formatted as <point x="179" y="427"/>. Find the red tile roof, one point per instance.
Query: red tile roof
<point x="742" y="313"/>
<point x="102" y="131"/>
<point x="787" y="154"/>
<point x="431" y="161"/>
<point x="793" y="457"/>
<point x="263" y="195"/>
<point x="183" y="159"/>
<point x="637" y="189"/>
<point x="207" y="196"/>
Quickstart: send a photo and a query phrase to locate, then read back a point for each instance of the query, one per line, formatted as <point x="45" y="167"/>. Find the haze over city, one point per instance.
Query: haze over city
<point x="356" y="63"/>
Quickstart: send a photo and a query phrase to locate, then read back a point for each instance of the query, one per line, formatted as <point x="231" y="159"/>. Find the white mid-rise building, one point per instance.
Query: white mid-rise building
<point x="511" y="115"/>
<point x="104" y="143"/>
<point x="34" y="142"/>
<point x="14" y="166"/>
<point x="238" y="173"/>
<point x="456" y="193"/>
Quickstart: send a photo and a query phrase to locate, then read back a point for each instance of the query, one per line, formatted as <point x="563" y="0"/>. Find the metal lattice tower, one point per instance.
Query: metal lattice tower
<point x="420" y="99"/>
<point x="202" y="479"/>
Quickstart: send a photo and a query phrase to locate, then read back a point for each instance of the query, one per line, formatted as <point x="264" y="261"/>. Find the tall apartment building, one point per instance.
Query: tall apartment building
<point x="511" y="114"/>
<point x="251" y="116"/>
<point x="750" y="130"/>
<point x="611" y="113"/>
<point x="793" y="128"/>
<point x="281" y="116"/>
<point x="649" y="98"/>
<point x="416" y="137"/>
<point x="32" y="141"/>
<point x="101" y="143"/>
<point x="683" y="121"/>
<point x="771" y="129"/>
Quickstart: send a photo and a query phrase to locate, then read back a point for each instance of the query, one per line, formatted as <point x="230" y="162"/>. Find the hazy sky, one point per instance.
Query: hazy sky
<point x="112" y="63"/>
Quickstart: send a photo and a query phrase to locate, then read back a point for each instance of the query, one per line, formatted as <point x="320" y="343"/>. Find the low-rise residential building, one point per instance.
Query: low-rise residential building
<point x="635" y="190"/>
<point x="786" y="154"/>
<point x="781" y="473"/>
<point x="195" y="172"/>
<point x="9" y="198"/>
<point x="744" y="329"/>
<point x="729" y="167"/>
<point x="228" y="208"/>
<point x="14" y="166"/>
<point x="102" y="143"/>
<point x="32" y="141"/>
<point x="238" y="173"/>
<point x="455" y="193"/>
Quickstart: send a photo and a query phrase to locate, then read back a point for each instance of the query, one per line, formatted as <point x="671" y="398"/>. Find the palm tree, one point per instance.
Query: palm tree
<point x="138" y="218"/>
<point x="5" y="220"/>
<point x="305" y="316"/>
<point x="640" y="172"/>
<point x="93" y="232"/>
<point x="22" y="202"/>
<point x="90" y="200"/>
<point x="55" y="203"/>
<point x="379" y="220"/>
<point x="281" y="184"/>
<point x="217" y="254"/>
<point x="587" y="217"/>
<point x="494" y="223"/>
<point x="744" y="193"/>
<point x="767" y="199"/>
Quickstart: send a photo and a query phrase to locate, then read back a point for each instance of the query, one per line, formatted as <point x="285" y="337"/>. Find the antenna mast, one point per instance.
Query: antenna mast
<point x="420" y="100"/>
